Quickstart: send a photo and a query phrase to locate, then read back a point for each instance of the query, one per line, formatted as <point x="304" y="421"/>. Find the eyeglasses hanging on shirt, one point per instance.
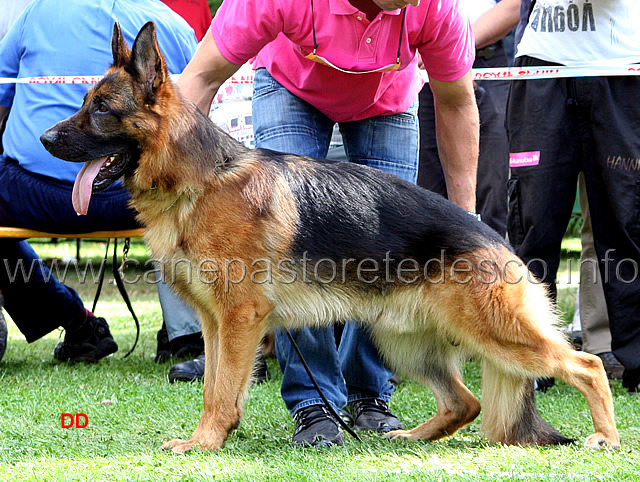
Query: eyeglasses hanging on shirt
<point x="317" y="58"/>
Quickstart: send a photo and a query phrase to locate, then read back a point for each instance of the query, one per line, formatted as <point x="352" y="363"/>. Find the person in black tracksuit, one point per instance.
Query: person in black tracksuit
<point x="585" y="124"/>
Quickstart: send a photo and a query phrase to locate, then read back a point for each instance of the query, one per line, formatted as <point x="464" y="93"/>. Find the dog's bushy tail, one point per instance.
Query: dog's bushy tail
<point x="509" y="410"/>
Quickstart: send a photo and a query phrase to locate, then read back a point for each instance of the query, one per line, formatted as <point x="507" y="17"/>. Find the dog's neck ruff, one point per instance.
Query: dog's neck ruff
<point x="154" y="189"/>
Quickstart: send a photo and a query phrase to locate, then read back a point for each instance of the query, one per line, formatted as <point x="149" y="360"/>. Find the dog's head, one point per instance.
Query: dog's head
<point x="119" y="119"/>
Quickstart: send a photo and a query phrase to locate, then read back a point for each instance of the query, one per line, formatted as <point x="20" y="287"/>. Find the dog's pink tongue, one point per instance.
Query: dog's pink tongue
<point x="83" y="186"/>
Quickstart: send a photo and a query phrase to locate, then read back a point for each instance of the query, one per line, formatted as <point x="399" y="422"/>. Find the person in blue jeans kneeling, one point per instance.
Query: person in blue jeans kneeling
<point x="35" y="187"/>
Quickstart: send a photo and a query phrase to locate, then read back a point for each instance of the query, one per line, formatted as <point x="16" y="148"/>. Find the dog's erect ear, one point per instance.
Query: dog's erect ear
<point x="119" y="48"/>
<point x="147" y="64"/>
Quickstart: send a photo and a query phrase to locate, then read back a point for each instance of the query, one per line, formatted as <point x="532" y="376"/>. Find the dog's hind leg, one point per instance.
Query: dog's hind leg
<point x="226" y="383"/>
<point x="510" y="414"/>
<point x="519" y="342"/>
<point x="586" y="373"/>
<point x="457" y="407"/>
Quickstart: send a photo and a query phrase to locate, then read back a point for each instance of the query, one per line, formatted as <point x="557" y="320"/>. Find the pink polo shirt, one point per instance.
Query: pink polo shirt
<point x="278" y="33"/>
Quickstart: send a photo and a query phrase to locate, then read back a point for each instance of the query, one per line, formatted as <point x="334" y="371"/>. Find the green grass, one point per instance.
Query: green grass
<point x="132" y="410"/>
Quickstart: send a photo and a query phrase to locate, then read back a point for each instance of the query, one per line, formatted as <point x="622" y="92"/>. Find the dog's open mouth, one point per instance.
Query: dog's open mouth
<point x="96" y="175"/>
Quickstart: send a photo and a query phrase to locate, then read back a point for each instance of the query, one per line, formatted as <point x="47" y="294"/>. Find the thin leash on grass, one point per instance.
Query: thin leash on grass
<point x="121" y="288"/>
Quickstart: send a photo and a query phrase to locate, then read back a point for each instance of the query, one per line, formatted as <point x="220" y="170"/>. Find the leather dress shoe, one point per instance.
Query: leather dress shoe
<point x="188" y="371"/>
<point x="193" y="370"/>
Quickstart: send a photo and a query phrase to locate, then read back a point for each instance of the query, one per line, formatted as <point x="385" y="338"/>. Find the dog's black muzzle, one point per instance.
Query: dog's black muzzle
<point x="49" y="139"/>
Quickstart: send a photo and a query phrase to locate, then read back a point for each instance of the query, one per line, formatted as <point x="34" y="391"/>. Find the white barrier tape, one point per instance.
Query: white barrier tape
<point x="513" y="73"/>
<point x="497" y="73"/>
<point x="53" y="79"/>
<point x="94" y="79"/>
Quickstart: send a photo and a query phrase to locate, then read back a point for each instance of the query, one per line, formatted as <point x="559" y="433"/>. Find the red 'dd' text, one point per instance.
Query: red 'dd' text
<point x="67" y="420"/>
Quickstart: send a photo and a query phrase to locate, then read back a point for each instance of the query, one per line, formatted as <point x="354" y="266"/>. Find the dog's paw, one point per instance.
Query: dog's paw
<point x="178" y="445"/>
<point x="598" y="441"/>
<point x="399" y="435"/>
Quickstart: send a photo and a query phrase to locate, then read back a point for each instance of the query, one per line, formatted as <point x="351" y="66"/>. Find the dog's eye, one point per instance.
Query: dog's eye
<point x="99" y="106"/>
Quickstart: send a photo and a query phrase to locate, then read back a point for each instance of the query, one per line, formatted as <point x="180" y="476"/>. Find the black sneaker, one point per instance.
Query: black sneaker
<point x="316" y="427"/>
<point x="3" y="330"/>
<point x="189" y="371"/>
<point x="89" y="343"/>
<point x="374" y="414"/>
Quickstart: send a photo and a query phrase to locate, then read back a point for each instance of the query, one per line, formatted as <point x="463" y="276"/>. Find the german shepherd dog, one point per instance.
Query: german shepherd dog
<point x="256" y="239"/>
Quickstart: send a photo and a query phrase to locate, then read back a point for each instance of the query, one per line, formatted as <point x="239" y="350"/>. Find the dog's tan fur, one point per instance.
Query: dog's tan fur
<point x="218" y="202"/>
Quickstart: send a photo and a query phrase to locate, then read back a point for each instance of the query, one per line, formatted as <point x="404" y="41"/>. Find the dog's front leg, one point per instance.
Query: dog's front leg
<point x="226" y="383"/>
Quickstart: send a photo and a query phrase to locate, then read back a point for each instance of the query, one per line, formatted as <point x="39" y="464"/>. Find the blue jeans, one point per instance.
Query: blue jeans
<point x="37" y="202"/>
<point x="283" y="122"/>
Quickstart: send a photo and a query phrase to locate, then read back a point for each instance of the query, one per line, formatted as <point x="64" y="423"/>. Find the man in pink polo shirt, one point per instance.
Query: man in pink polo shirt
<point x="351" y="62"/>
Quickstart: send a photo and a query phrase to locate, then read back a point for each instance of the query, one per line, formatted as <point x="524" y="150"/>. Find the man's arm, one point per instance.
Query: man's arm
<point x="458" y="133"/>
<point x="496" y="22"/>
<point x="205" y="73"/>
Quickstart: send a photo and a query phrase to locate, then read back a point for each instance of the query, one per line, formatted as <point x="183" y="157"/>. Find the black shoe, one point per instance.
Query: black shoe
<point x="261" y="371"/>
<point x="163" y="350"/>
<point x="395" y="380"/>
<point x="189" y="371"/>
<point x="612" y="365"/>
<point x="544" y="384"/>
<point x="183" y="347"/>
<point x="631" y="380"/>
<point x="3" y="330"/>
<point x="187" y="346"/>
<point x="89" y="343"/>
<point x="316" y="427"/>
<point x="575" y="338"/>
<point x="193" y="370"/>
<point x="374" y="414"/>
